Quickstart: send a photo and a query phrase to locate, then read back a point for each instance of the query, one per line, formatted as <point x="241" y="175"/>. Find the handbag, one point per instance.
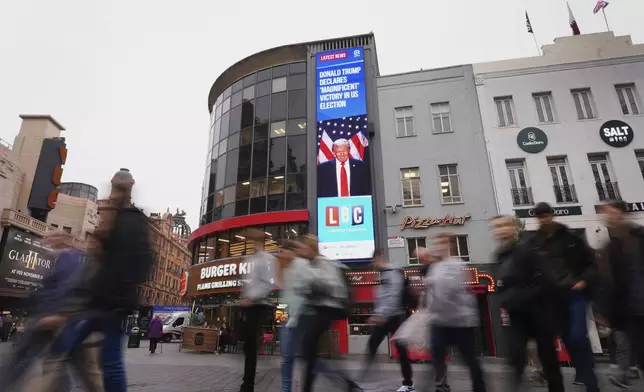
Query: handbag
<point x="414" y="331"/>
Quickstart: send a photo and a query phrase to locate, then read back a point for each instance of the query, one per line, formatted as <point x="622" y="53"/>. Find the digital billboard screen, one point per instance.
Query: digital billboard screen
<point x="345" y="211"/>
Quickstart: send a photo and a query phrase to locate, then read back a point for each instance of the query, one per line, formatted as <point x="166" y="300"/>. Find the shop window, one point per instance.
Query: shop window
<point x="232" y="160"/>
<point x="211" y="245"/>
<point x="260" y="158"/>
<point x="219" y="198"/>
<point x="412" y="245"/>
<point x="246" y="136"/>
<point x="278" y="106"/>
<point x="296" y="127"/>
<point x="258" y="188"/>
<point x="261" y="132"/>
<point x="228" y="211"/>
<point x="225" y="126"/>
<point x="296" y="183"/>
<point x="296" y="201"/>
<point x="275" y="203"/>
<point x="277" y="157"/>
<point x="276" y="185"/>
<point x="235" y="120"/>
<point x="243" y="165"/>
<point x="278" y="129"/>
<point x="297" y="103"/>
<point x="248" y="114"/>
<point x="223" y="244"/>
<point x="229" y="195"/>
<point x="258" y="205"/>
<point x="262" y="110"/>
<point x="296" y="154"/>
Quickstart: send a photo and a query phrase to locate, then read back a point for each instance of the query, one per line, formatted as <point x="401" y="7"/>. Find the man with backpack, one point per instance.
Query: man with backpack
<point x="327" y="298"/>
<point x="393" y="296"/>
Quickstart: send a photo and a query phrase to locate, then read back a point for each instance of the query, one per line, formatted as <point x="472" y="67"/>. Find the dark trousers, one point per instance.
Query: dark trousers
<point x="575" y="338"/>
<point x="319" y="320"/>
<point x="154" y="342"/>
<point x="251" y="329"/>
<point x="635" y="332"/>
<point x="378" y="334"/>
<point x="465" y="341"/>
<point x="530" y="325"/>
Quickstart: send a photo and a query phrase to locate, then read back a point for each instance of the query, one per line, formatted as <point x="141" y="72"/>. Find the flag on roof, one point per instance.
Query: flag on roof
<point x="573" y="21"/>
<point x="601" y="4"/>
<point x="528" y="24"/>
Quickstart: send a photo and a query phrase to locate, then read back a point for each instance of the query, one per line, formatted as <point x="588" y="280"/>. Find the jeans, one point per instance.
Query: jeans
<point x="314" y="323"/>
<point x="30" y="347"/>
<point x="465" y="341"/>
<point x="575" y="338"/>
<point x="76" y="331"/>
<point x="84" y="362"/>
<point x="378" y="334"/>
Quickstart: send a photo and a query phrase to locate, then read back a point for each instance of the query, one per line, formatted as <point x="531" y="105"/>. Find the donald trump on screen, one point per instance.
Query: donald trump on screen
<point x="343" y="176"/>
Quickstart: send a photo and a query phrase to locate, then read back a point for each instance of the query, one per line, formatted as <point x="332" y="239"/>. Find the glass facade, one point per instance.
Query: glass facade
<point x="77" y="189"/>
<point x="231" y="243"/>
<point x="257" y="146"/>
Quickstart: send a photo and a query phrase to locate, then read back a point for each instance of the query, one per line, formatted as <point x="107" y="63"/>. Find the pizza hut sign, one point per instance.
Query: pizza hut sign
<point x="424" y="223"/>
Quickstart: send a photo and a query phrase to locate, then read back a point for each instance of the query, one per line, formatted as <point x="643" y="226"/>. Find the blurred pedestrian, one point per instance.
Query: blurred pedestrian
<point x="572" y="269"/>
<point x="389" y="314"/>
<point x="528" y="298"/>
<point x="453" y="311"/>
<point x="40" y="333"/>
<point x="106" y="295"/>
<point x="326" y="290"/>
<point x="7" y="326"/>
<point x="255" y="300"/>
<point x="155" y="333"/>
<point x="622" y="272"/>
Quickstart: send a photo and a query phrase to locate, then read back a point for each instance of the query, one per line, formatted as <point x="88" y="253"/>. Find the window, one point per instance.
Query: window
<point x="279" y="85"/>
<point x="410" y="179"/>
<point x="584" y="103"/>
<point x="561" y="180"/>
<point x="607" y="190"/>
<point x="519" y="186"/>
<point x="545" y="107"/>
<point x="412" y="245"/>
<point x="627" y="96"/>
<point x="67" y="229"/>
<point x="640" y="161"/>
<point x="441" y="118"/>
<point x="449" y="184"/>
<point x="505" y="111"/>
<point x="404" y="121"/>
<point x="459" y="247"/>
<point x="54" y="225"/>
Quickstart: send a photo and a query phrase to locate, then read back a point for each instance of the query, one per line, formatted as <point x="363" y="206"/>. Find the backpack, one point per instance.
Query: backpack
<point x="336" y="288"/>
<point x="409" y="299"/>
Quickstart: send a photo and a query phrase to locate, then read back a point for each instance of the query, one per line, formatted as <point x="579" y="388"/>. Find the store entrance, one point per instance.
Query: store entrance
<point x="484" y="333"/>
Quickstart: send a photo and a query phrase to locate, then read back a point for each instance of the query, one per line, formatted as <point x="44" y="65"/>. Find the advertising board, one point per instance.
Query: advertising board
<point x="25" y="262"/>
<point x="344" y="191"/>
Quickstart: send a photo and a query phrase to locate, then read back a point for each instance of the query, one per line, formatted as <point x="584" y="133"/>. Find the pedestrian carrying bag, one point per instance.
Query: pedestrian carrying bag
<point x="414" y="331"/>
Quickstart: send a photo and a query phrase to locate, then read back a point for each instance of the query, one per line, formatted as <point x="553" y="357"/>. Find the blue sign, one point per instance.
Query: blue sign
<point x="345" y="227"/>
<point x="170" y="309"/>
<point x="345" y="205"/>
<point x="340" y="84"/>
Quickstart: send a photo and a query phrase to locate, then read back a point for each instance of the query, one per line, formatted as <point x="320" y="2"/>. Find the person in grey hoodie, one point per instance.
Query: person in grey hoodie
<point x="389" y="314"/>
<point x="255" y="300"/>
<point x="326" y="299"/>
<point x="453" y="311"/>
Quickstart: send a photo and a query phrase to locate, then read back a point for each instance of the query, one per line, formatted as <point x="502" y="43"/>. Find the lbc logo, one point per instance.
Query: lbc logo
<point x="337" y="215"/>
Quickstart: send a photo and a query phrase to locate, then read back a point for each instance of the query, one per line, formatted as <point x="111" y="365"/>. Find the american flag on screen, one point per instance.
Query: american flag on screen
<point x="351" y="128"/>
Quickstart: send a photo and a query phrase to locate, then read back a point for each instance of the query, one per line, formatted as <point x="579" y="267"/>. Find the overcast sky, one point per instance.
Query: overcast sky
<point x="130" y="79"/>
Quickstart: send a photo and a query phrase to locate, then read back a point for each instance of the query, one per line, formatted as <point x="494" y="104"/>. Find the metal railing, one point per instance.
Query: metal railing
<point x="565" y="193"/>
<point x="608" y="191"/>
<point x="522" y="196"/>
<point x="33" y="225"/>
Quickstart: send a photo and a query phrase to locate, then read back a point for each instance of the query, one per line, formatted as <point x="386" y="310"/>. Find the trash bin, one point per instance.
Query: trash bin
<point x="134" y="341"/>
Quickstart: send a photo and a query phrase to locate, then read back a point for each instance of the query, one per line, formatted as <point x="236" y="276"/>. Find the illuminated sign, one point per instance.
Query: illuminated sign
<point x="345" y="206"/>
<point x="48" y="175"/>
<point x="409" y="222"/>
<point x="473" y="278"/>
<point x="26" y="261"/>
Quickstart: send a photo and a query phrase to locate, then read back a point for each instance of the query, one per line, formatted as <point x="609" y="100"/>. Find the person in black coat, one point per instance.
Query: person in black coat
<point x="333" y="174"/>
<point x="622" y="272"/>
<point x="570" y="265"/>
<point x="526" y="294"/>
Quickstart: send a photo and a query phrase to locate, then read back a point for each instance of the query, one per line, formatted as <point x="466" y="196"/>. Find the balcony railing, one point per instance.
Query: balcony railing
<point x="608" y="191"/>
<point x="26" y="222"/>
<point x="522" y="196"/>
<point x="565" y="193"/>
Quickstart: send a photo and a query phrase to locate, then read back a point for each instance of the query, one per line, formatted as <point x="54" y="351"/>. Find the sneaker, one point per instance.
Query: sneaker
<point x="617" y="382"/>
<point x="406" y="388"/>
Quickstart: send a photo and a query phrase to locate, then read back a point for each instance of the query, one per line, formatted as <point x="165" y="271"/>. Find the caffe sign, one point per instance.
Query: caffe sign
<point x="558" y="211"/>
<point x="532" y="140"/>
<point x="410" y="222"/>
<point x="616" y="133"/>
